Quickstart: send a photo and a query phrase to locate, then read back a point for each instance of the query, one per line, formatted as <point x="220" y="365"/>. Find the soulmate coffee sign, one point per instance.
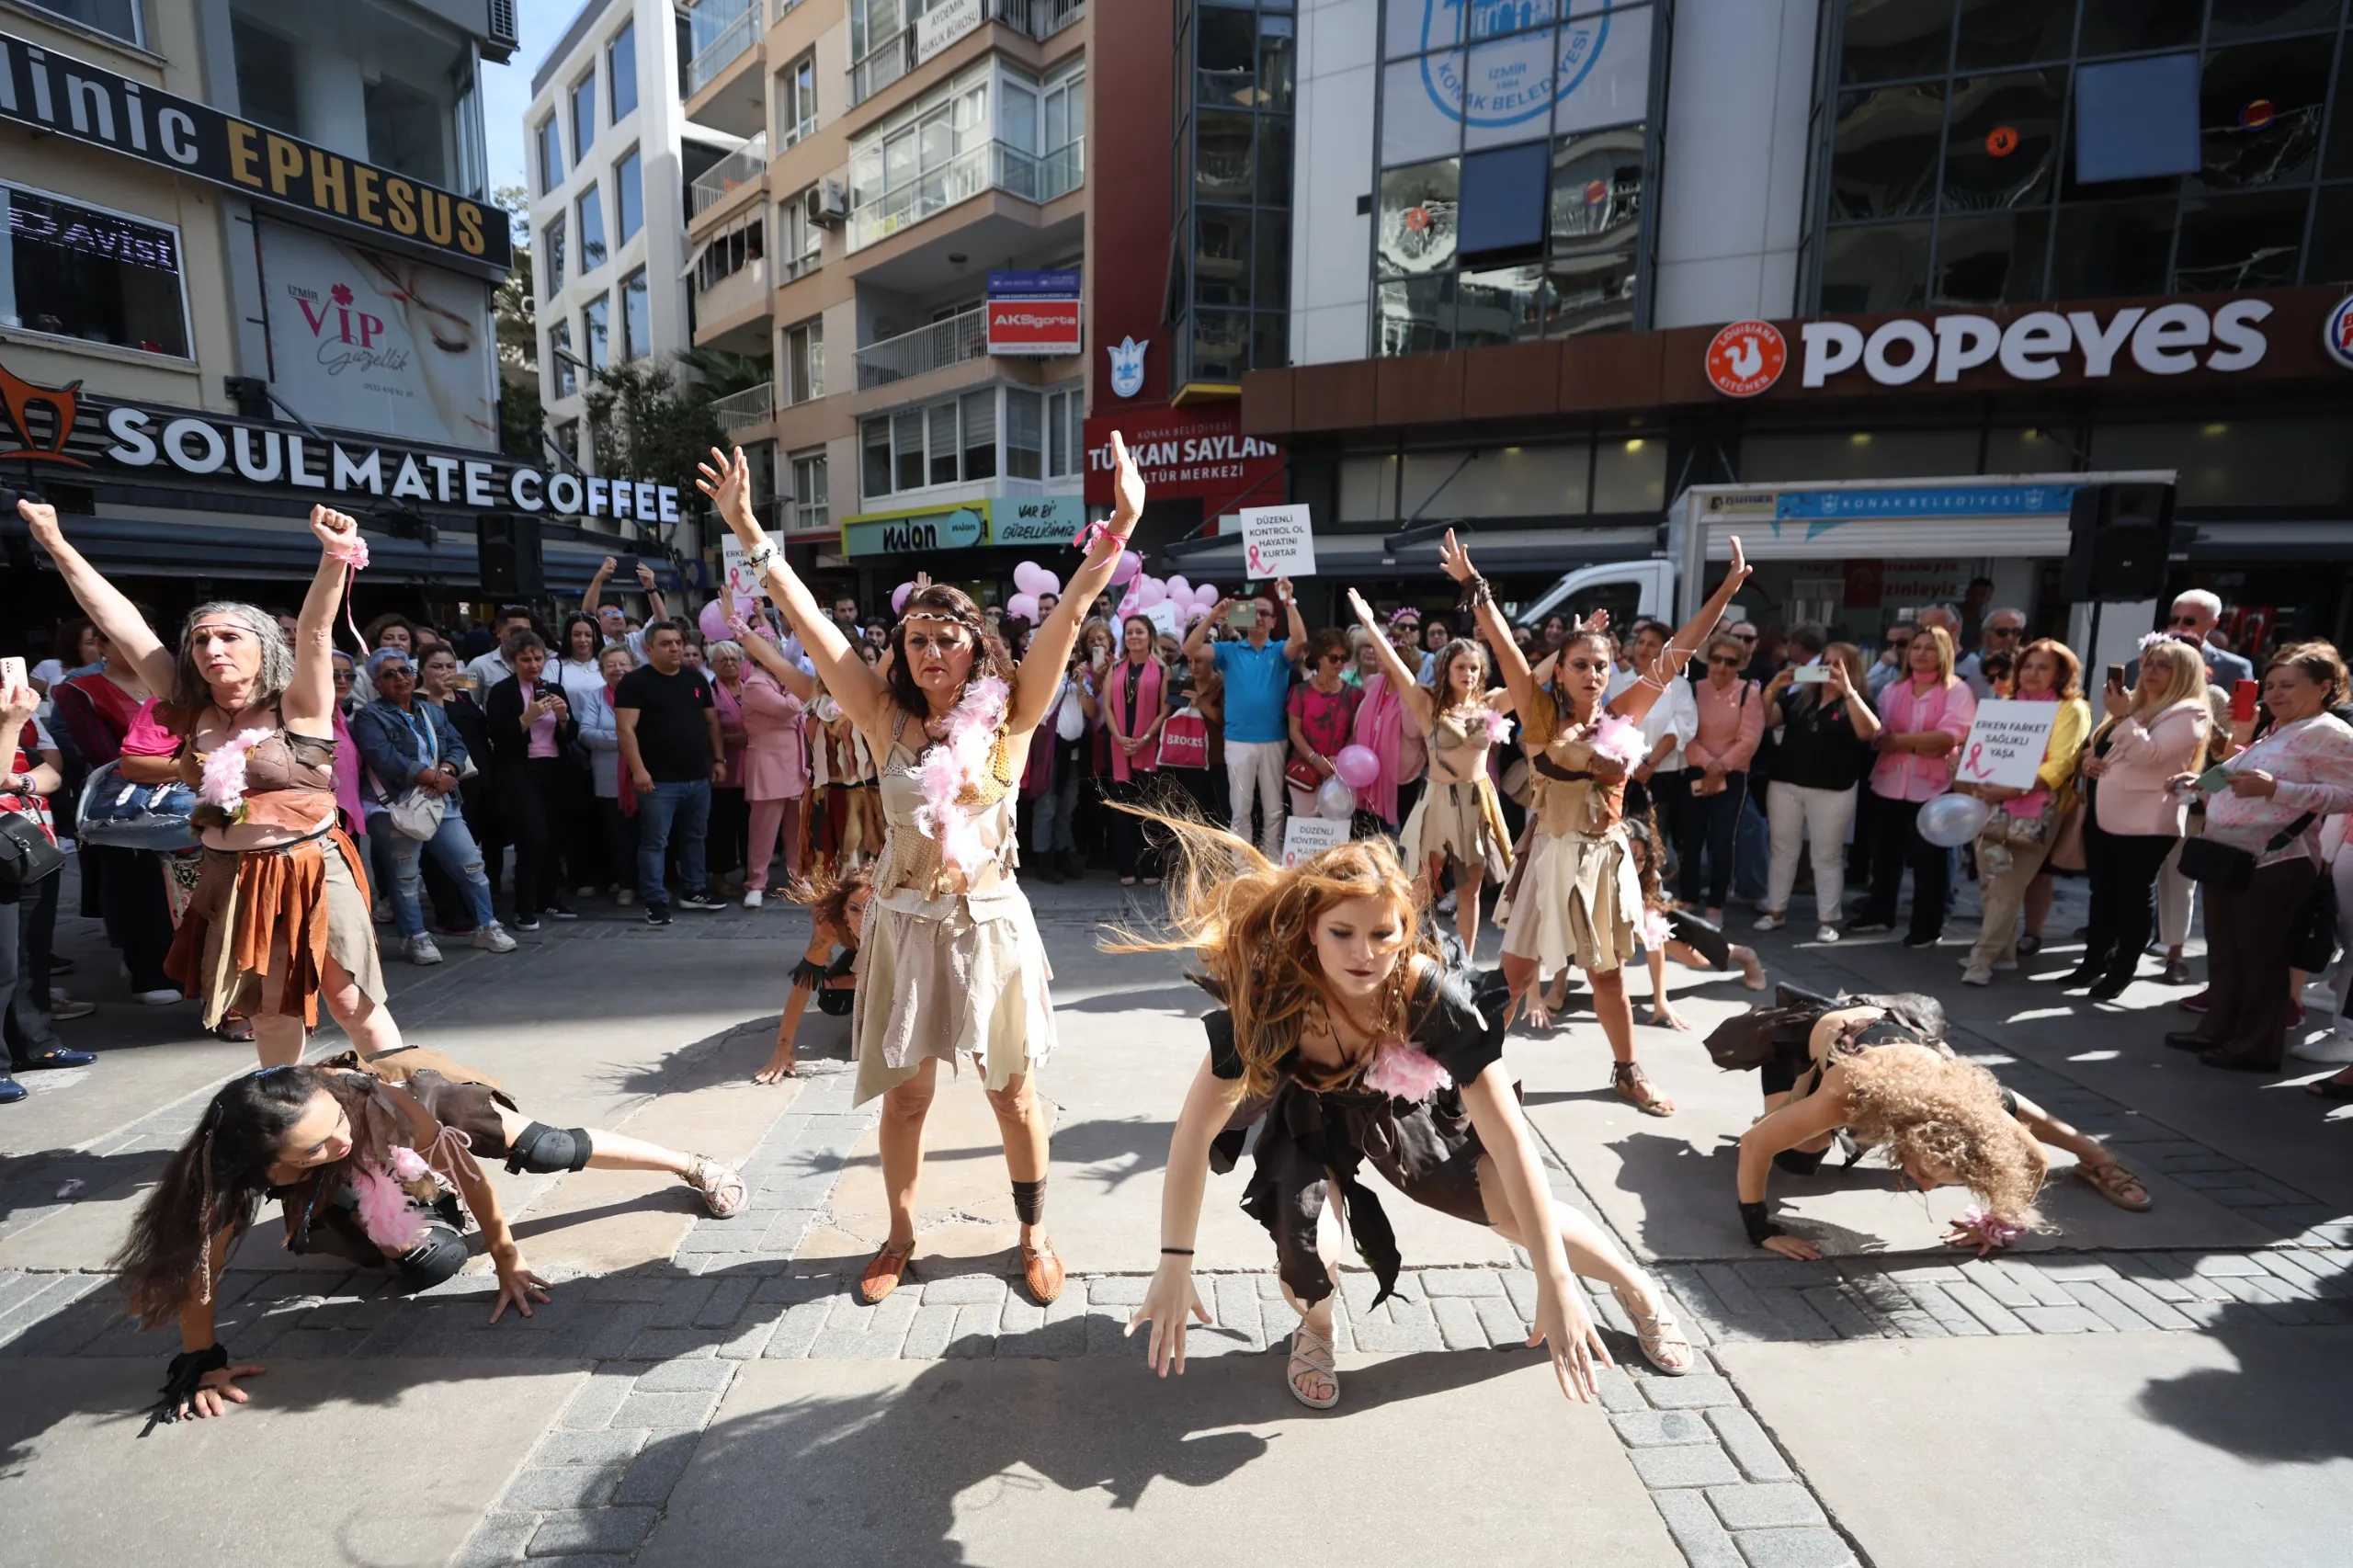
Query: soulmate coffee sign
<point x="65" y="96"/>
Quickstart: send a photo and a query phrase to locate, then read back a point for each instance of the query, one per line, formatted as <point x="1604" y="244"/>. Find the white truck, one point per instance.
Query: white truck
<point x="1857" y="553"/>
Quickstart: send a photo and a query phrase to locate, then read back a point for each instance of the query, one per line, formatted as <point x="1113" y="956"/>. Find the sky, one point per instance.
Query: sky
<point x="507" y="89"/>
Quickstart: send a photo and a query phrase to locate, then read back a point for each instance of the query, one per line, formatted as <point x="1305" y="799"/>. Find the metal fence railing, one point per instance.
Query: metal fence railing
<point x="992" y="166"/>
<point x="964" y="336"/>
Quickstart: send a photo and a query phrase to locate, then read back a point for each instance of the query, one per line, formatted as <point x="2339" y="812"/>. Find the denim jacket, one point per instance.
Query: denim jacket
<point x="394" y="746"/>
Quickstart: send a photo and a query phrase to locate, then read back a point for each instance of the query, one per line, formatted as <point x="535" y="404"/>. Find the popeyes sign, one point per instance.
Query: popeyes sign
<point x="2227" y="334"/>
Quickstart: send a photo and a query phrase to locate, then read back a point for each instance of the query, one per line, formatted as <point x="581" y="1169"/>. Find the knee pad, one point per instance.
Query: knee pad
<point x="542" y="1150"/>
<point x="435" y="1258"/>
<point x="836" y="1000"/>
<point x="1798" y="1161"/>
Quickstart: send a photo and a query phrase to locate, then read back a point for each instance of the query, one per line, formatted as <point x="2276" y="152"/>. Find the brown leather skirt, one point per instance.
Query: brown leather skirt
<point x="262" y="924"/>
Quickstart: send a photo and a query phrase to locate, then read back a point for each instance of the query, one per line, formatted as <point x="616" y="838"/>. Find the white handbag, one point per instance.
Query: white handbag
<point x="417" y="815"/>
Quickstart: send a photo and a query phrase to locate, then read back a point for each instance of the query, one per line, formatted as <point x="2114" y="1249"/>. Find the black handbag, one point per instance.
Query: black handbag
<point x="2312" y="934"/>
<point x="2228" y="869"/>
<point x="26" y="855"/>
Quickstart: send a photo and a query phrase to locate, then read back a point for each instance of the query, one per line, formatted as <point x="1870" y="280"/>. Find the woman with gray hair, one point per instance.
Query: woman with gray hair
<point x="278" y="922"/>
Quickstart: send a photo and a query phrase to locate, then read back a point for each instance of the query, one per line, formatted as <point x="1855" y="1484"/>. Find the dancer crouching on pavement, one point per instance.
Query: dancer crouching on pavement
<point x="953" y="964"/>
<point x="837" y="906"/>
<point x="1352" y="1039"/>
<point x="364" y="1156"/>
<point x="279" y="919"/>
<point x="1458" y="820"/>
<point x="1878" y="1069"/>
<point x="1575" y="894"/>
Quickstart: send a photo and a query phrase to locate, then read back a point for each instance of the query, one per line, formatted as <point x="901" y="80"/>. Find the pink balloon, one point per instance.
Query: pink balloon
<point x="1357" y="767"/>
<point x="1130" y="563"/>
<point x="1049" y="583"/>
<point x="1179" y="590"/>
<point x="1206" y="596"/>
<point x="1026" y="578"/>
<point x="899" y="597"/>
<point x="713" y="621"/>
<point x="1150" y="591"/>
<point x="1023" y="607"/>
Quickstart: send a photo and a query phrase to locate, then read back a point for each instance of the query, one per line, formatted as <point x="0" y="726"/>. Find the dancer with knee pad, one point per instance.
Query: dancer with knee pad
<point x="372" y="1160"/>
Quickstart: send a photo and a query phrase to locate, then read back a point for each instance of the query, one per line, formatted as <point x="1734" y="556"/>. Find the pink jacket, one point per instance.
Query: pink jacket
<point x="1911" y="775"/>
<point x="2142" y="758"/>
<point x="1730" y="723"/>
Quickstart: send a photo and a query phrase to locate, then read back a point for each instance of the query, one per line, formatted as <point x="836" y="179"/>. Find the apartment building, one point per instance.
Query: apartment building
<point x="894" y="161"/>
<point x="613" y="157"/>
<point x="246" y="264"/>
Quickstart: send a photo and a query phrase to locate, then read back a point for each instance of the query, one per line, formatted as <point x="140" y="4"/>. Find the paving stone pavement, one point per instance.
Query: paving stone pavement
<point x="663" y="1343"/>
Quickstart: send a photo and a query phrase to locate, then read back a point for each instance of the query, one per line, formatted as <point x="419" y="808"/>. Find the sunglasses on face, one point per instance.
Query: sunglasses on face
<point x="394" y="672"/>
<point x="2183" y="620"/>
<point x="1335" y="658"/>
<point x="1728" y="661"/>
<point x="342" y="676"/>
<point x="2002" y="630"/>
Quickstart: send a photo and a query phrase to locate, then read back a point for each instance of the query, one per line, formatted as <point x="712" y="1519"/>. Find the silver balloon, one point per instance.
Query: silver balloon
<point x="1950" y="821"/>
<point x="1336" y="801"/>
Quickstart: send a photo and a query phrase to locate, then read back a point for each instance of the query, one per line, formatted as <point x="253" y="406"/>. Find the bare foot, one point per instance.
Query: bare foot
<point x="1752" y="969"/>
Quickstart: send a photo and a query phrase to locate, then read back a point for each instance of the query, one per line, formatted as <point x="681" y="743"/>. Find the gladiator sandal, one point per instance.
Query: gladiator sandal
<point x="884" y="1270"/>
<point x="722" y="1189"/>
<point x="1041" y="1271"/>
<point x="1658" y="1333"/>
<point x="1633" y="1085"/>
<point x="1311" y="1356"/>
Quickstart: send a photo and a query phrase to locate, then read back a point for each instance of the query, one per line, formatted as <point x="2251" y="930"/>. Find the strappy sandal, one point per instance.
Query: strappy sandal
<point x="2115" y="1184"/>
<point x="722" y="1189"/>
<point x="1633" y="1085"/>
<point x="237" y="1029"/>
<point x="1041" y="1271"/>
<point x="884" y="1270"/>
<point x="1658" y="1333"/>
<point x="1311" y="1356"/>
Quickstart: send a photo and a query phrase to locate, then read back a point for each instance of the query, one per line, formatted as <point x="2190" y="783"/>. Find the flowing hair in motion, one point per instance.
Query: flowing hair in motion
<point x="1250" y="925"/>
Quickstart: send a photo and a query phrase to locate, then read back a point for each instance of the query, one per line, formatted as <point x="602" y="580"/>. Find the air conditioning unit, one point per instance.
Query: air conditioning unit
<point x="502" y="24"/>
<point x="826" y="204"/>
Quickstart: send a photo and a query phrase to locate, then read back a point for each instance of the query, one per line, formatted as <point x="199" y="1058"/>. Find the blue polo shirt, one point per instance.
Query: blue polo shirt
<point x="1256" y="681"/>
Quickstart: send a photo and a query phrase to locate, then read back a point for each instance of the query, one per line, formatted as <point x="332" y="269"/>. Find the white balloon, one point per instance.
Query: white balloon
<point x="1336" y="801"/>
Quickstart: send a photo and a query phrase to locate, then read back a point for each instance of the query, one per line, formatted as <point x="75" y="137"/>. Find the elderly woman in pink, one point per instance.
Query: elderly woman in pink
<point x="1924" y="716"/>
<point x="775" y="760"/>
<point x="2155" y="730"/>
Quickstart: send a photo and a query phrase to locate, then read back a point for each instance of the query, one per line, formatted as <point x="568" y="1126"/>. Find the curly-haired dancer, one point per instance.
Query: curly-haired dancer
<point x="951" y="966"/>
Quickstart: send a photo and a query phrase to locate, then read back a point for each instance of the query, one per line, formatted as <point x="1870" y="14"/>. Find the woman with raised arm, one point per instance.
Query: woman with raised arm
<point x="1353" y="1040"/>
<point x="1574" y="895"/>
<point x="1458" y="820"/>
<point x="774" y="695"/>
<point x="951" y="965"/>
<point x="279" y="920"/>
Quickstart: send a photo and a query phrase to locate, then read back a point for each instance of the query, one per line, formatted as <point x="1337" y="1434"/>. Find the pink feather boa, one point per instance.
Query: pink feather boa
<point x="1618" y="739"/>
<point x="223" y="784"/>
<point x="958" y="761"/>
<point x="385" y="1212"/>
<point x="1406" y="1072"/>
<point x="1990" y="1229"/>
<point x="1498" y="727"/>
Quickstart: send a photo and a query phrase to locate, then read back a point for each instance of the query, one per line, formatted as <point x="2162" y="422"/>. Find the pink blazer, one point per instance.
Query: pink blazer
<point x="2131" y="795"/>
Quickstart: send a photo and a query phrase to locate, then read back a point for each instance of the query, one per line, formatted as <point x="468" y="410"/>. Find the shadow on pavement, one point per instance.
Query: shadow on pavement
<point x="2286" y="1403"/>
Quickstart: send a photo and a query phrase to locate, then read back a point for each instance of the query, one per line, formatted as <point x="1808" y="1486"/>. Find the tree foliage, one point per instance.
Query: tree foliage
<point x="642" y="426"/>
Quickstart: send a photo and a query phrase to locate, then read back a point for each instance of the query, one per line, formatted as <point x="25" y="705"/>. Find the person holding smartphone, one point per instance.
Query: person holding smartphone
<point x="2151" y="733"/>
<point x="1257" y="672"/>
<point x="531" y="724"/>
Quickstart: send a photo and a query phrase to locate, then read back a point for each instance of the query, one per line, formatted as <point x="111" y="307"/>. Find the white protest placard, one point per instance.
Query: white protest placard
<point x="2006" y="744"/>
<point x="1162" y="617"/>
<point x="1277" y="541"/>
<point x="740" y="579"/>
<point x="1306" y="837"/>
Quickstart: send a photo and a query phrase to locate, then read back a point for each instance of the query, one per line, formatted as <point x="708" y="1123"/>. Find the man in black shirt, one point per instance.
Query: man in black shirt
<point x="669" y="743"/>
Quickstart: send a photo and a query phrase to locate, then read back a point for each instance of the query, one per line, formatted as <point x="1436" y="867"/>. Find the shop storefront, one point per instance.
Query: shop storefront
<point x="972" y="544"/>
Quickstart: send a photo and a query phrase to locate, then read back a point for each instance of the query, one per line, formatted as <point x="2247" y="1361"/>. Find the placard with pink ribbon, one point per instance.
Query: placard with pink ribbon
<point x="2006" y="744"/>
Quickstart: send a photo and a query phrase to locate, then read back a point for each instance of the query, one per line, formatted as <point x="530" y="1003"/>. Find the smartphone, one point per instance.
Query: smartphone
<point x="1242" y="617"/>
<point x="2116" y="676"/>
<point x="1811" y="674"/>
<point x="12" y="673"/>
<point x="2244" y="694"/>
<point x="2214" y="780"/>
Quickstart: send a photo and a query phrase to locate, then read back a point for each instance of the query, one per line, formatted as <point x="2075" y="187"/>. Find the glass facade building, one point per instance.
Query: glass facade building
<point x="1229" y="265"/>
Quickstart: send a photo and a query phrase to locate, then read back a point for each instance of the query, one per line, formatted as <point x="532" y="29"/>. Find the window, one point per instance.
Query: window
<point x="628" y="197"/>
<point x="621" y="71"/>
<point x="812" y="507"/>
<point x="267" y="76"/>
<point x="730" y="252"/>
<point x="637" y="317"/>
<point x="1025" y="434"/>
<point x="950" y="442"/>
<point x="592" y="230"/>
<point x="796" y="100"/>
<point x="119" y="17"/>
<point x="584" y="116"/>
<point x="84" y="272"/>
<point x="927" y="155"/>
<point x="1066" y="446"/>
<point x="405" y="129"/>
<point x="980" y="433"/>
<point x="567" y="372"/>
<point x="1502" y="216"/>
<point x="2004" y="152"/>
<point x="799" y="239"/>
<point x="805" y="360"/>
<point x="567" y="438"/>
<point x="550" y="144"/>
<point x="594" y="333"/>
<point x="551" y="250"/>
<point x="1229" y="276"/>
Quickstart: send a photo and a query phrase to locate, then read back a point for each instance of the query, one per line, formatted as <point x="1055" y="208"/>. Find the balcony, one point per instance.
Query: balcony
<point x="746" y="166"/>
<point x="993" y="165"/>
<point x="723" y="30"/>
<point x="741" y="411"/>
<point x="896" y="55"/>
<point x="951" y="342"/>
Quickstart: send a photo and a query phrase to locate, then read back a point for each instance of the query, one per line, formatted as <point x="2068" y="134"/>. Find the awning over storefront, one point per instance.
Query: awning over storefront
<point x="1369" y="556"/>
<point x="2285" y="543"/>
<point x="284" y="549"/>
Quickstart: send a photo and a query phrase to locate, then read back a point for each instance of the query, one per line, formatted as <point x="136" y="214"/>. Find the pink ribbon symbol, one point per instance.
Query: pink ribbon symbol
<point x="1253" y="560"/>
<point x="1976" y="759"/>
